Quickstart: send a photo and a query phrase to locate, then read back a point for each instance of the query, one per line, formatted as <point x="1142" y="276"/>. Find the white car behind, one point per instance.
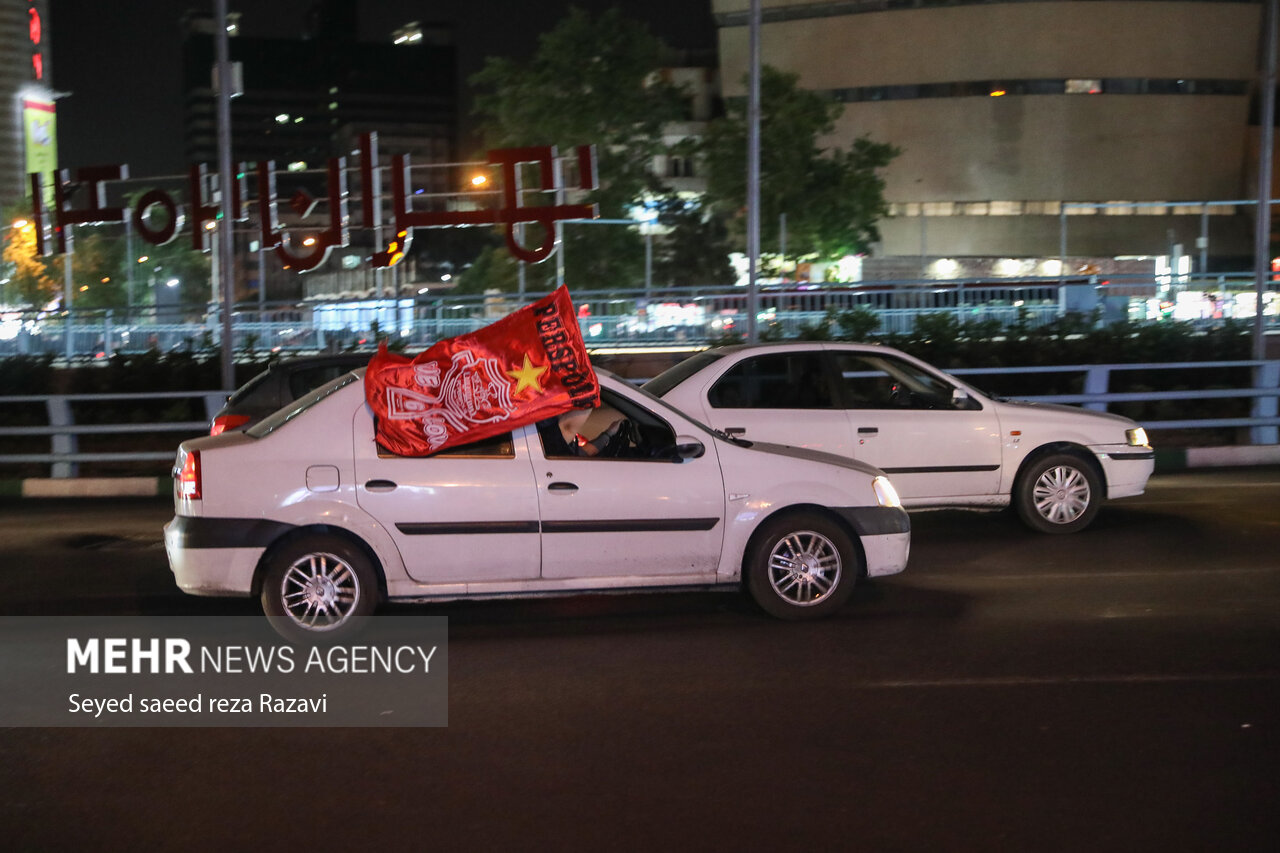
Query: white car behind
<point x="305" y="511"/>
<point x="943" y="442"/>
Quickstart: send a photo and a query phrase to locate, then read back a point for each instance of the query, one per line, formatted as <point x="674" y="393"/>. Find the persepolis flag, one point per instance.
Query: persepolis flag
<point x="529" y="365"/>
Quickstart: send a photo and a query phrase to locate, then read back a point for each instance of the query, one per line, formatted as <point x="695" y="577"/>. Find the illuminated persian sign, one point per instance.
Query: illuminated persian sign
<point x="35" y="33"/>
<point x="52" y="226"/>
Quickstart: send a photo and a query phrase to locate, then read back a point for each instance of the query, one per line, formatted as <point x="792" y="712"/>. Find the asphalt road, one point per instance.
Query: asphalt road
<point x="1114" y="690"/>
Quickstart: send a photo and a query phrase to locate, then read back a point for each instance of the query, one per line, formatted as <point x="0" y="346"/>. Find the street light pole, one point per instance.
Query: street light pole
<point x="753" y="174"/>
<point x="225" y="246"/>
<point x="1262" y="234"/>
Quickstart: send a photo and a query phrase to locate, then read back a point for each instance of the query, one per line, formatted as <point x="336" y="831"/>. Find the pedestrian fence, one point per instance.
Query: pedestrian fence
<point x="655" y="316"/>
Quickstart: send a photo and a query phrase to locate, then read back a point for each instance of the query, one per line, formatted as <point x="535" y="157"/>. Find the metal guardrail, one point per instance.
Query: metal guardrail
<point x="64" y="455"/>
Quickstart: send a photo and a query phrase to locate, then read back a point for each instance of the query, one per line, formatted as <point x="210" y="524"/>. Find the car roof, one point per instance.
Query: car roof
<point x="798" y="345"/>
<point x="356" y="359"/>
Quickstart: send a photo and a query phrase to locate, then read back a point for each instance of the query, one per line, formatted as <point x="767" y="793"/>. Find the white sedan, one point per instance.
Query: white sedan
<point x="304" y="510"/>
<point x="943" y="442"/>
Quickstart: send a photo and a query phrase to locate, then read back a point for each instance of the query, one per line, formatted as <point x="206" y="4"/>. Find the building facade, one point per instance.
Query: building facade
<point x="1090" y="130"/>
<point x="301" y="100"/>
<point x="28" y="140"/>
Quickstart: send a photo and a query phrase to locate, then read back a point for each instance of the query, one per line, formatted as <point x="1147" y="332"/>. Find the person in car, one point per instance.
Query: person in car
<point x="563" y="434"/>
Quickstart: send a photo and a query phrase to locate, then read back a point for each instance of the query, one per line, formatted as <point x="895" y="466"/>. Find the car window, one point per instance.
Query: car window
<point x="639" y="434"/>
<point x="251" y="386"/>
<point x="494" y="447"/>
<point x="880" y="382"/>
<point x="789" y="380"/>
<point x="303" y="380"/>
<point x="673" y="376"/>
<point x="273" y="422"/>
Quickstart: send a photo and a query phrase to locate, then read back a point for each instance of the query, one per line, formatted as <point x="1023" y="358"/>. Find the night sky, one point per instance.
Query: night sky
<point x="121" y="60"/>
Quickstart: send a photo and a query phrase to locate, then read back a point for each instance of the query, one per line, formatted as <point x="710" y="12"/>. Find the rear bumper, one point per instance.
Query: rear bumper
<point x="201" y="567"/>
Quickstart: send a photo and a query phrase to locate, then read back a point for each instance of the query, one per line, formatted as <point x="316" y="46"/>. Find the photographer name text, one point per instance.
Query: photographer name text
<point x="198" y="704"/>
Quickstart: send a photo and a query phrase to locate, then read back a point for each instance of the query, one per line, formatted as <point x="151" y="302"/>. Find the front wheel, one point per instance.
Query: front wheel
<point x="1060" y="493"/>
<point x="801" y="566"/>
<point x="319" y="589"/>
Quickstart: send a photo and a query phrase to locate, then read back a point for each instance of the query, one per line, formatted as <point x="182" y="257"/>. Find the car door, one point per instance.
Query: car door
<point x="782" y="397"/>
<point x="908" y="421"/>
<point x="465" y="514"/>
<point x="634" y="515"/>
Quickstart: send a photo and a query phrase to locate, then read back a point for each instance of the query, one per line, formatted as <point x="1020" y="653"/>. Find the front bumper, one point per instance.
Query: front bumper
<point x="886" y="553"/>
<point x="1126" y="469"/>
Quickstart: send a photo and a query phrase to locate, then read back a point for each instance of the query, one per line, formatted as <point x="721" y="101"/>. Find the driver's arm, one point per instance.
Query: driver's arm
<point x="601" y="441"/>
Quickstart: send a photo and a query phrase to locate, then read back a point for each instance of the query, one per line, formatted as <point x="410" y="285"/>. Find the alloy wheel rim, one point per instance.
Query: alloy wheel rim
<point x="804" y="567"/>
<point x="1061" y="494"/>
<point x="319" y="591"/>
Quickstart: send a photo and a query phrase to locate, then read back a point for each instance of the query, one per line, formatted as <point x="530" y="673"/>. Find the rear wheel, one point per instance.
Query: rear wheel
<point x="1060" y="493"/>
<point x="801" y="566"/>
<point x="319" y="589"/>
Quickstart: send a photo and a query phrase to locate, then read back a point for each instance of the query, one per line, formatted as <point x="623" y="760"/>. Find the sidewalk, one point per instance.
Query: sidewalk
<point x="1177" y="459"/>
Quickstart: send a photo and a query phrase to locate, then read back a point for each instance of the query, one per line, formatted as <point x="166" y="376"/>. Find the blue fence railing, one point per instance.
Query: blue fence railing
<point x="632" y="317"/>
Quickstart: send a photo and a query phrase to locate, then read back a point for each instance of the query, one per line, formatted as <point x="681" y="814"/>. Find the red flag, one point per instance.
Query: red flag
<point x="529" y="365"/>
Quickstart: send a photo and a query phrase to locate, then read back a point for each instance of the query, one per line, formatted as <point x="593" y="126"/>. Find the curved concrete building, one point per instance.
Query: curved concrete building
<point x="1005" y="111"/>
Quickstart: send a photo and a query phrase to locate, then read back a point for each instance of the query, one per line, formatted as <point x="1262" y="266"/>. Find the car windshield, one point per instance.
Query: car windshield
<point x="273" y="422"/>
<point x="670" y="378"/>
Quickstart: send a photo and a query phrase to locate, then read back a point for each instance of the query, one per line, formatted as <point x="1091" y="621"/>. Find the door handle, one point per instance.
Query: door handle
<point x="562" y="487"/>
<point x="735" y="430"/>
<point x="868" y="430"/>
<point x="380" y="486"/>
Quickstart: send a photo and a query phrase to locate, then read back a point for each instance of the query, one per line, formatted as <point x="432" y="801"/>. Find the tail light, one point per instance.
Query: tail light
<point x="189" y="476"/>
<point x="222" y="423"/>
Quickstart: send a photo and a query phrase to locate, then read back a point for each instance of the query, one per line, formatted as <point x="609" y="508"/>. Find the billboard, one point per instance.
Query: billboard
<point x="40" y="138"/>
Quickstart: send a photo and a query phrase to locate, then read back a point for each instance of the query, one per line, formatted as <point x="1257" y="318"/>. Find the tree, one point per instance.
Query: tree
<point x="493" y="269"/>
<point x="32" y="280"/>
<point x="591" y="81"/>
<point x="96" y="271"/>
<point x="696" y="249"/>
<point x="832" y="197"/>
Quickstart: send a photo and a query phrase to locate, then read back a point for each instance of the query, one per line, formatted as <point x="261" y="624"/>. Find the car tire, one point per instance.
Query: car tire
<point x="319" y="589"/>
<point x="1058" y="493"/>
<point x="801" y="565"/>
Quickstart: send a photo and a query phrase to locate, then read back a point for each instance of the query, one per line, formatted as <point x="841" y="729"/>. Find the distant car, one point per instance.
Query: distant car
<point x="304" y="510"/>
<point x="280" y="384"/>
<point x="942" y="442"/>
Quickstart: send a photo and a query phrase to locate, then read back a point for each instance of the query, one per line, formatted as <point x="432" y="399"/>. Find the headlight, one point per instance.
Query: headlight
<point x="886" y="494"/>
<point x="1136" y="437"/>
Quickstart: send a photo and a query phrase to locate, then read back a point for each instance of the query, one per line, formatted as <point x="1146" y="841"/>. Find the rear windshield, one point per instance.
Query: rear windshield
<point x="249" y="387"/>
<point x="273" y="422"/>
<point x="670" y="378"/>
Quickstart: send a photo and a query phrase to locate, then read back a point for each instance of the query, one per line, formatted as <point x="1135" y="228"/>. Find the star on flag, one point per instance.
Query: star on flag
<point x="527" y="376"/>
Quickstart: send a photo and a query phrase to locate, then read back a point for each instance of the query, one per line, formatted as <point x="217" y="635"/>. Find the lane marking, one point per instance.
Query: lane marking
<point x="1050" y="680"/>
<point x="1058" y="576"/>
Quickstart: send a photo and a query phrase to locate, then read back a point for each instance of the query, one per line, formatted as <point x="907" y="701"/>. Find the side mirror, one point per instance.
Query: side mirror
<point x="959" y="398"/>
<point x="686" y="448"/>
